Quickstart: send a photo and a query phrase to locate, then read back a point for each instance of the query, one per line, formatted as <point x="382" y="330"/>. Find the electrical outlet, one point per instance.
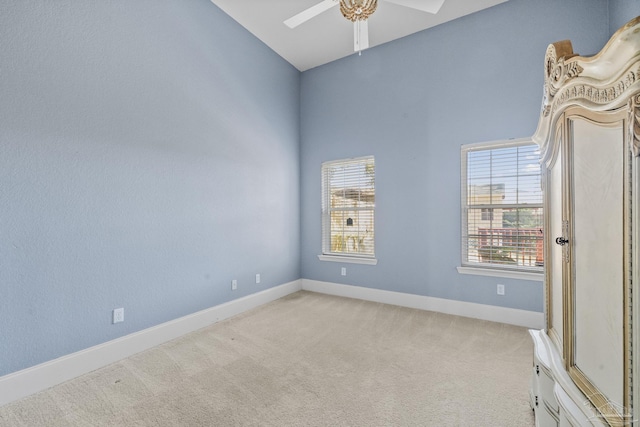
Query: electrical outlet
<point x="343" y="272"/>
<point x="118" y="315"/>
<point x="500" y="289"/>
<point x="234" y="284"/>
<point x="258" y="278"/>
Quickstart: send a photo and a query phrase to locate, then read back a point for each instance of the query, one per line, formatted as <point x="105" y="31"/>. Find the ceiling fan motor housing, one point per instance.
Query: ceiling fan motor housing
<point x="358" y="10"/>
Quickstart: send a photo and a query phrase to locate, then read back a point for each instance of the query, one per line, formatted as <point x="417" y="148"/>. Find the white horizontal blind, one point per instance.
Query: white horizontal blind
<point x="348" y="205"/>
<point x="502" y="216"/>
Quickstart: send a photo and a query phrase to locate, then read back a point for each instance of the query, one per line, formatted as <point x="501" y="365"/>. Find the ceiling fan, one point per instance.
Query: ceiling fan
<point x="358" y="11"/>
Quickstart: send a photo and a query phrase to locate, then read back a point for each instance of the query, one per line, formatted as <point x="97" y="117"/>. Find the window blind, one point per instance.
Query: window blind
<point x="502" y="215"/>
<point x="348" y="205"/>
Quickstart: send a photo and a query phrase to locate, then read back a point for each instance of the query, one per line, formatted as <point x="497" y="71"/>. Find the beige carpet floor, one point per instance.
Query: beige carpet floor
<point x="307" y="360"/>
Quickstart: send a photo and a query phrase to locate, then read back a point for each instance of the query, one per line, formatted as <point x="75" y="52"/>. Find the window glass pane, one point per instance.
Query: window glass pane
<point x="503" y="213"/>
<point x="504" y="162"/>
<point x="529" y="189"/>
<point x="352" y="185"/>
<point x="348" y="207"/>
<point x="479" y="166"/>
<point x="507" y="236"/>
<point x="352" y="232"/>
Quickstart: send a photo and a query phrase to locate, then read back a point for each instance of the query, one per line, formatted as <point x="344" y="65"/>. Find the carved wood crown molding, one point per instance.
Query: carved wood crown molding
<point x="634" y="125"/>
<point x="557" y="71"/>
<point x="606" y="81"/>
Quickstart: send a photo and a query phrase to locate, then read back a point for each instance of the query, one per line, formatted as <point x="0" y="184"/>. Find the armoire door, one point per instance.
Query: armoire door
<point x="596" y="236"/>
<point x="555" y="255"/>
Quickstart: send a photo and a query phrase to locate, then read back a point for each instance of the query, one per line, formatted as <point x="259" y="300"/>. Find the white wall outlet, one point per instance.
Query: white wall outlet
<point x="234" y="284"/>
<point x="343" y="272"/>
<point x="258" y="278"/>
<point x="500" y="289"/>
<point x="118" y="315"/>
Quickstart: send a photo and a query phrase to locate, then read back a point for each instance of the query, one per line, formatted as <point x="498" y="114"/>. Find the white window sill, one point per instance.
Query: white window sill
<point x="348" y="259"/>
<point x="522" y="275"/>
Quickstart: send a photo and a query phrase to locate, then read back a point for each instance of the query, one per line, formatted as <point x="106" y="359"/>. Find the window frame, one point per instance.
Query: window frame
<point x="326" y="253"/>
<point x="485" y="268"/>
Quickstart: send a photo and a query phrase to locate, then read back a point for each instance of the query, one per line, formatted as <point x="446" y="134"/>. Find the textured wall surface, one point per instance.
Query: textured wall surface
<point x="151" y="151"/>
<point x="411" y="103"/>
<point x="621" y="12"/>
<point x="149" y="154"/>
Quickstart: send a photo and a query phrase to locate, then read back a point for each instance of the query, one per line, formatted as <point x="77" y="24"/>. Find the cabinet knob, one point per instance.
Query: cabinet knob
<point x="561" y="241"/>
<point x="537" y="370"/>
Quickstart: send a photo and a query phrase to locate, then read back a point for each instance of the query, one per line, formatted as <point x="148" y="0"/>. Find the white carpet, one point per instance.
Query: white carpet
<point x="307" y="360"/>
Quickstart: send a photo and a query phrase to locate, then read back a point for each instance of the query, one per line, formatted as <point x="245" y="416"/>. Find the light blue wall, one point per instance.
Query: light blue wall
<point x="411" y="103"/>
<point x="621" y="12"/>
<point x="149" y="153"/>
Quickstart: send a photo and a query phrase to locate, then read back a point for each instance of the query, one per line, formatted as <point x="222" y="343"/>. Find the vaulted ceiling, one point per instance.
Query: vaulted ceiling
<point x="329" y="36"/>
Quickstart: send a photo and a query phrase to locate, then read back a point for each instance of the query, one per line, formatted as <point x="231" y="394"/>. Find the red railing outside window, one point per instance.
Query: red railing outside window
<point x="518" y="246"/>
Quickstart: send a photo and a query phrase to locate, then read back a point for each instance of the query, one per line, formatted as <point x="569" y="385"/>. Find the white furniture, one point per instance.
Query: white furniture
<point x="585" y="369"/>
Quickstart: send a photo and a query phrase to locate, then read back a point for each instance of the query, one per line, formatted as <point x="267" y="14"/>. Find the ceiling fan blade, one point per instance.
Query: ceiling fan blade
<point x="312" y="12"/>
<point x="360" y="35"/>
<point x="430" y="6"/>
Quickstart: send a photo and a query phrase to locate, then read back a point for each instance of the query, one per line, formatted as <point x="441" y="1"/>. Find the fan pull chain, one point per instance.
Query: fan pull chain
<point x="358" y="32"/>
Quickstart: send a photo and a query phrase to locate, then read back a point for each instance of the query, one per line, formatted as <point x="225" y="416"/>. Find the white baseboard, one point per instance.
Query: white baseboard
<point x="512" y="316"/>
<point x="20" y="384"/>
<point x="40" y="377"/>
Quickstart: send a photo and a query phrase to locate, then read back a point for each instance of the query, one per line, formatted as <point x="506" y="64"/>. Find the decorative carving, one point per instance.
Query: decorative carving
<point x="558" y="70"/>
<point x="604" y="82"/>
<point x="597" y="95"/>
<point x="634" y="125"/>
<point x="591" y="93"/>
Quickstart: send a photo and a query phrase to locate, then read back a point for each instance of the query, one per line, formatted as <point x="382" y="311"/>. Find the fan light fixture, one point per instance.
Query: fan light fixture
<point x="358" y="10"/>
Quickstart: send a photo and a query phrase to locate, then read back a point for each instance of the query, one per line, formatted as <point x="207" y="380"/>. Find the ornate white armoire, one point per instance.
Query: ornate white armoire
<point x="585" y="364"/>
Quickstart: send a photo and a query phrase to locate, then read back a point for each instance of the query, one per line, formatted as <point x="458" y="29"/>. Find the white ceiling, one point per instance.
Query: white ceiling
<point x="329" y="36"/>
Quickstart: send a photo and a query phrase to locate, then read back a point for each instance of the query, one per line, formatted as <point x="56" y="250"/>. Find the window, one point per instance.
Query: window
<point x="502" y="220"/>
<point x="487" y="214"/>
<point x="348" y="205"/>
